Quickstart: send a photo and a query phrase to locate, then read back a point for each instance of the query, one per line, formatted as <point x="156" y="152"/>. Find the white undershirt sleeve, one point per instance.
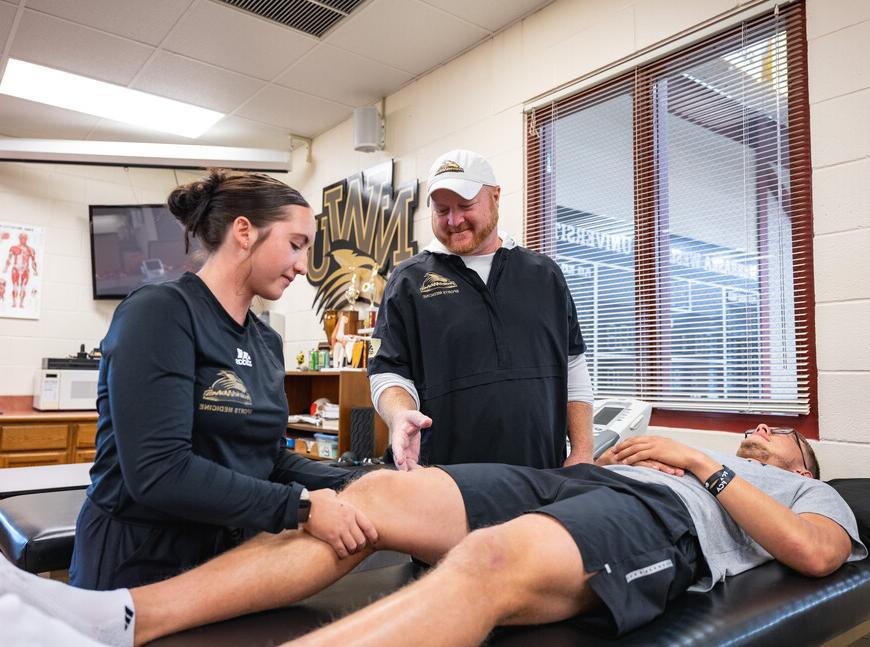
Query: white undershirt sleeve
<point x="579" y="382"/>
<point x="380" y="382"/>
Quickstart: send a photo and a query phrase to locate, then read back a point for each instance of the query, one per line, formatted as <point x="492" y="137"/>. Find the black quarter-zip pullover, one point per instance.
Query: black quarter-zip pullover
<point x="489" y="361"/>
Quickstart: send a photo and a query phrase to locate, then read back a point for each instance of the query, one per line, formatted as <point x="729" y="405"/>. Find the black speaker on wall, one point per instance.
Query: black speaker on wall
<point x="362" y="432"/>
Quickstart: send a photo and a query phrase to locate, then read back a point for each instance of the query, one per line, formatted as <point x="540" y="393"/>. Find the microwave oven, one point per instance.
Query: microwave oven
<point x="64" y="388"/>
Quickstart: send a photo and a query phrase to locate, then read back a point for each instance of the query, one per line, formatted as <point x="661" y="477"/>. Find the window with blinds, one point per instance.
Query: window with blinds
<point x="676" y="199"/>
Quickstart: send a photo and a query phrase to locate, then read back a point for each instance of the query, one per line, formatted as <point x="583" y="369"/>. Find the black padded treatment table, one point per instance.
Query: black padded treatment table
<point x="38" y="511"/>
<point x="17" y="481"/>
<point x="770" y="605"/>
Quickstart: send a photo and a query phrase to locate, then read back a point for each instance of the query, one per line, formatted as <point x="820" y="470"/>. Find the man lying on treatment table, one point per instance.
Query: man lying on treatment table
<point x="609" y="545"/>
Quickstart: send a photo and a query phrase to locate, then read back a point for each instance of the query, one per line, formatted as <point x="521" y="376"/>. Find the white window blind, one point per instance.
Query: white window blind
<point x="676" y="199"/>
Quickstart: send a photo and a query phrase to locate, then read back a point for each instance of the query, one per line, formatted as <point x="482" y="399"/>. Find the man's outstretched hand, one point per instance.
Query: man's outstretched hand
<point x="405" y="430"/>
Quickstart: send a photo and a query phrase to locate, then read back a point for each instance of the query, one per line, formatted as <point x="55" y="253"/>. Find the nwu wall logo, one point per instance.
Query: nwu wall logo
<point x="365" y="229"/>
<point x="242" y="358"/>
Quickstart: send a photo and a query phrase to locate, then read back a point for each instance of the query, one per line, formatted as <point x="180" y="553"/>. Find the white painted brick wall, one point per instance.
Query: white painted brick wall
<point x="838" y="47"/>
<point x="475" y="101"/>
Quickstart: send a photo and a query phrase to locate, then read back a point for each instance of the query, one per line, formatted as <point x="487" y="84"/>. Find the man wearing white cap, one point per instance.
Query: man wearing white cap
<point x="477" y="355"/>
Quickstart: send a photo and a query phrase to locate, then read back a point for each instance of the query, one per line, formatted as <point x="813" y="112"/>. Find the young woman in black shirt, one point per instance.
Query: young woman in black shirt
<point x="192" y="412"/>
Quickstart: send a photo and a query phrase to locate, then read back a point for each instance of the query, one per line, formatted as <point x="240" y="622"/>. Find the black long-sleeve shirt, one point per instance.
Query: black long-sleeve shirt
<point x="193" y="414"/>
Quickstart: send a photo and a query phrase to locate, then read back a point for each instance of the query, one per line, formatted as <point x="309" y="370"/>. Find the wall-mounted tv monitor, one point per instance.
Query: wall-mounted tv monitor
<point x="132" y="245"/>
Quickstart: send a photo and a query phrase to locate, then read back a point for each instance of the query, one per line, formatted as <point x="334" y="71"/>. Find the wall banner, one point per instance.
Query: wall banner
<point x="366" y="228"/>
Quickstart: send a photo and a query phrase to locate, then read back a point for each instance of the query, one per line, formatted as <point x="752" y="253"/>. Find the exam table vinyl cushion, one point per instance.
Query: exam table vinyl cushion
<point x="856" y="493"/>
<point x="767" y="606"/>
<point x="37" y="531"/>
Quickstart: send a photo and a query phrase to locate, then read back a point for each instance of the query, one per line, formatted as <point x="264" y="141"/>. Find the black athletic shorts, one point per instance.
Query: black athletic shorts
<point x="637" y="537"/>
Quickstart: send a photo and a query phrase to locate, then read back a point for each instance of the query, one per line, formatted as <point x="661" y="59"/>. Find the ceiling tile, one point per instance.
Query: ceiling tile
<point x="177" y="77"/>
<point x="492" y="15"/>
<point x="22" y="118"/>
<point x="116" y="131"/>
<point x="62" y="45"/>
<point x="341" y="76"/>
<point x="237" y="131"/>
<point x="232" y="39"/>
<point x="229" y="131"/>
<point x="405" y="34"/>
<point x="146" y="22"/>
<point x="7" y="16"/>
<point x="298" y="113"/>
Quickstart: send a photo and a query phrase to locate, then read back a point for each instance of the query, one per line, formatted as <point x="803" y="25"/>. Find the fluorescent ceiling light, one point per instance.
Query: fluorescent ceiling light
<point x="79" y="93"/>
<point x="143" y="154"/>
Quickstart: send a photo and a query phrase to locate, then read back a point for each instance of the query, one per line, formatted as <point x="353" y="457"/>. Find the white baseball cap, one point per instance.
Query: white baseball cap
<point x="461" y="171"/>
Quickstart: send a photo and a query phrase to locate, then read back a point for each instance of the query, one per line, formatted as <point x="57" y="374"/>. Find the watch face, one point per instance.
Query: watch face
<point x="303" y="510"/>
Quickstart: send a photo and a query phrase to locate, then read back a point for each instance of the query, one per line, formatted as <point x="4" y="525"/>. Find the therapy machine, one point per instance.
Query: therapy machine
<point x="616" y="418"/>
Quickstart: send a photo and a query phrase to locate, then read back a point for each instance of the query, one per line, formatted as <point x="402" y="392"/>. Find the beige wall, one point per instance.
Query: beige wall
<point x="476" y="101"/>
<point x="56" y="197"/>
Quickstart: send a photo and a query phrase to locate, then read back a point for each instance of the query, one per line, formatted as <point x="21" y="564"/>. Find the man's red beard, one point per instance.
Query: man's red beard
<point x="477" y="238"/>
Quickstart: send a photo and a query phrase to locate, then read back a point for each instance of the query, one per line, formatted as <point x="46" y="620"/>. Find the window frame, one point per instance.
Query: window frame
<point x="539" y="219"/>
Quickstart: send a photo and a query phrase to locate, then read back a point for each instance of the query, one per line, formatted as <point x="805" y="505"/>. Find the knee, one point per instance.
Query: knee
<point x="485" y="555"/>
<point x="372" y="489"/>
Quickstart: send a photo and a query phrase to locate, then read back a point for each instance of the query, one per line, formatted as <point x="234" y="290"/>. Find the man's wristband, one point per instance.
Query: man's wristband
<point x="718" y="481"/>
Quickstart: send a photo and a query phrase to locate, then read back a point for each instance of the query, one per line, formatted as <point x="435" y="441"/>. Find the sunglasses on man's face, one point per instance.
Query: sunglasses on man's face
<point x="783" y="431"/>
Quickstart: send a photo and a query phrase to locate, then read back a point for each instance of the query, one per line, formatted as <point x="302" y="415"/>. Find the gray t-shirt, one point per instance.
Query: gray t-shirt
<point x="726" y="547"/>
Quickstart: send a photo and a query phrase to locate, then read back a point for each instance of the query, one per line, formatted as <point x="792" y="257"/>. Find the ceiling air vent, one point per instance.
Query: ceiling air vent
<point x="315" y="17"/>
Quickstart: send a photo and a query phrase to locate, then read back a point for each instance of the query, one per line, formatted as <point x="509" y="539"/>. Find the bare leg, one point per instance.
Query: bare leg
<point x="420" y="513"/>
<point x="495" y="576"/>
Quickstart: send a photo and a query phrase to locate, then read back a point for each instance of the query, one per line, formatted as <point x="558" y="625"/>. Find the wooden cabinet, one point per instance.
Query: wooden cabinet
<point x="83" y="448"/>
<point x="85" y="456"/>
<point x="22" y="445"/>
<point x="21" y="437"/>
<point x="348" y="388"/>
<point x="29" y="437"/>
<point x="30" y="459"/>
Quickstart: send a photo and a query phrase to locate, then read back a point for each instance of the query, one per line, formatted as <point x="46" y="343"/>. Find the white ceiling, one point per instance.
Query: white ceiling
<point x="270" y="80"/>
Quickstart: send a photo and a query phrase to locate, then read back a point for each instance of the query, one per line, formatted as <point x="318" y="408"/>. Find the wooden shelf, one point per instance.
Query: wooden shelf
<point x="347" y="388"/>
<point x="312" y="429"/>
<point x="314" y="457"/>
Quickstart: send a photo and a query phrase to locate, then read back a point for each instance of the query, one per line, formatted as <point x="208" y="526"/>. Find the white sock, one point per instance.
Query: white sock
<point x="105" y="616"/>
<point x="27" y="626"/>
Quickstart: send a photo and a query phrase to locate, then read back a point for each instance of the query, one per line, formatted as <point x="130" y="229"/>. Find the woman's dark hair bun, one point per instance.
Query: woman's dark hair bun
<point x="190" y="201"/>
<point x="206" y="207"/>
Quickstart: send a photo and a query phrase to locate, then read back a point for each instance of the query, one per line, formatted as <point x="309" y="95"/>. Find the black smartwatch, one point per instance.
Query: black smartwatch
<point x="304" y="506"/>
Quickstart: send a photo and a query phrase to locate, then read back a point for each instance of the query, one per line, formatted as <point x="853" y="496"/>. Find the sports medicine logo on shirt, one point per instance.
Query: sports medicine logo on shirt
<point x="435" y="285"/>
<point x="242" y="358"/>
<point x="228" y="388"/>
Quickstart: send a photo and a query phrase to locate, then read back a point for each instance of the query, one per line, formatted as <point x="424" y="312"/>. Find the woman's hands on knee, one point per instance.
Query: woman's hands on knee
<point x="339" y="524"/>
